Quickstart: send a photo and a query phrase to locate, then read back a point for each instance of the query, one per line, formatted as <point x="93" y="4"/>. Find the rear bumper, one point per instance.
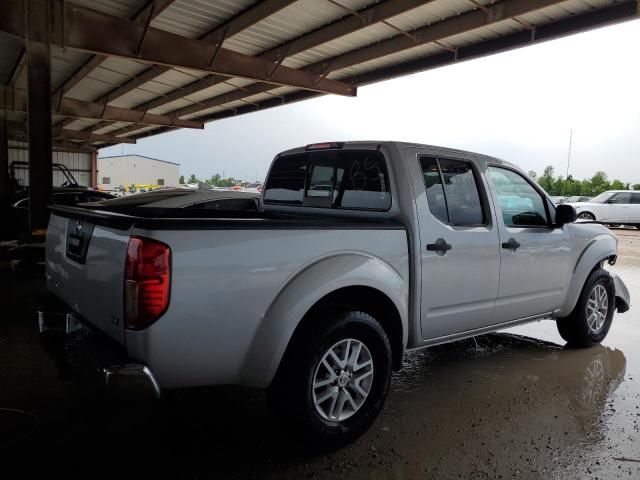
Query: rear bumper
<point x="89" y="356"/>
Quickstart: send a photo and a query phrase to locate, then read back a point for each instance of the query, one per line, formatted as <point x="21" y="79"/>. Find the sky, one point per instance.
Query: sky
<point x="519" y="106"/>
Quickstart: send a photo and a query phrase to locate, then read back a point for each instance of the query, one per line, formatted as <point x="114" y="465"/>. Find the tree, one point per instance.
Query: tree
<point x="193" y="178"/>
<point x="636" y="187"/>
<point x="533" y="175"/>
<point x="546" y="181"/>
<point x="181" y="181"/>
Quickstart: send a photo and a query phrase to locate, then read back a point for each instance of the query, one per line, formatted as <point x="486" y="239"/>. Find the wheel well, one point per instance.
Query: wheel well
<point x="368" y="300"/>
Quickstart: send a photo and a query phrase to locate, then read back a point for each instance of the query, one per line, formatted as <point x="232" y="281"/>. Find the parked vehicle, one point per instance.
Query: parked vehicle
<point x="15" y="207"/>
<point x="255" y="187"/>
<point x="316" y="296"/>
<point x="575" y="199"/>
<point x="614" y="207"/>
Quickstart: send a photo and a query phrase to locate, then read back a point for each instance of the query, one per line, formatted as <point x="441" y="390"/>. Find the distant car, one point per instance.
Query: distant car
<point x="255" y="187"/>
<point x="616" y="207"/>
<point x="557" y="199"/>
<point x="575" y="199"/>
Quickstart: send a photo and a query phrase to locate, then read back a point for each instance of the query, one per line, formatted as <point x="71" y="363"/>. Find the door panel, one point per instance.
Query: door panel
<point x="618" y="208"/>
<point x="459" y="281"/>
<point x="534" y="255"/>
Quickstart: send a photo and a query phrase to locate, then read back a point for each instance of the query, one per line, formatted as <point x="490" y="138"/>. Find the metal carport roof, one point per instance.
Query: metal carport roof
<point x="126" y="69"/>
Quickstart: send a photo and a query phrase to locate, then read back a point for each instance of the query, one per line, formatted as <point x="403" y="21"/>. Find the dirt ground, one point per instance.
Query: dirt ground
<point x="509" y="405"/>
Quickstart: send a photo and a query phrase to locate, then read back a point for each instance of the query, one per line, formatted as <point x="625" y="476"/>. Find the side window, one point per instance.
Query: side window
<point x="434" y="188"/>
<point x="635" y="198"/>
<point x="452" y="191"/>
<point x="621" y="198"/>
<point x="521" y="204"/>
<point x="285" y="184"/>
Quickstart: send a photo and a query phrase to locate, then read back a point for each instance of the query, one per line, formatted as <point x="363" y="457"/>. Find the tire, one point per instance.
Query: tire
<point x="300" y="405"/>
<point x="586" y="216"/>
<point x="581" y="329"/>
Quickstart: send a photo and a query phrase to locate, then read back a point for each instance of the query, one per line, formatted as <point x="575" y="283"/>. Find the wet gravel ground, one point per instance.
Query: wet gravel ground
<point x="509" y="405"/>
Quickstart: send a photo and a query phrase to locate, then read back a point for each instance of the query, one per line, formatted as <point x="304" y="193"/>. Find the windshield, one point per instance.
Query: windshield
<point x="603" y="197"/>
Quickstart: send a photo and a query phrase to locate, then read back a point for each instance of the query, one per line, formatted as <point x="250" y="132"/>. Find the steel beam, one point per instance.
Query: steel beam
<point x="464" y="22"/>
<point x="15" y="100"/>
<point x="596" y="18"/>
<point x="89" y="30"/>
<point x="365" y="17"/>
<point x="151" y="10"/>
<point x="38" y="24"/>
<point x="91" y="137"/>
<point x="4" y="154"/>
<point x="218" y="35"/>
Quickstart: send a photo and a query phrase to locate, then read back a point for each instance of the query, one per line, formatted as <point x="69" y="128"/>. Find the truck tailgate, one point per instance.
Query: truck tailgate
<point x="85" y="268"/>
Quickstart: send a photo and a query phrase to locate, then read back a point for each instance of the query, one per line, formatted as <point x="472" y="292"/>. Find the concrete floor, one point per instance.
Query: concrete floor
<point x="509" y="405"/>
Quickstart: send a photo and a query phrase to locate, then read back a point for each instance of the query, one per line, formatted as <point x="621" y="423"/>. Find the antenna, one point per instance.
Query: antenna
<point x="566" y="180"/>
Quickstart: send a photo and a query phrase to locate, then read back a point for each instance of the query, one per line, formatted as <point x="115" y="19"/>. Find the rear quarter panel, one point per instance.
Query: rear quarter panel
<point x="225" y="325"/>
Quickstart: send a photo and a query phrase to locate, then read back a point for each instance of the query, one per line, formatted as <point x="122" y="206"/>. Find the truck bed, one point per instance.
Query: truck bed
<point x="228" y="270"/>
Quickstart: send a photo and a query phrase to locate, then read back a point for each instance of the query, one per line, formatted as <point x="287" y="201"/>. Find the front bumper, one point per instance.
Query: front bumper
<point x="623" y="299"/>
<point x="90" y="357"/>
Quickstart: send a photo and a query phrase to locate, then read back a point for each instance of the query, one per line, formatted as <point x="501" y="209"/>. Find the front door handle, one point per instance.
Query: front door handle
<point x="440" y="246"/>
<point x="511" y="245"/>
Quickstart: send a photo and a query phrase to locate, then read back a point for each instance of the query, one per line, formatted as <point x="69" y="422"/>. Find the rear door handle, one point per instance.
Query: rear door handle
<point x="511" y="245"/>
<point x="440" y="246"/>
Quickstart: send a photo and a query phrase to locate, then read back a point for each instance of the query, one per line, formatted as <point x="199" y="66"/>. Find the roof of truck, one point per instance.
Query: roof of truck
<point x="432" y="149"/>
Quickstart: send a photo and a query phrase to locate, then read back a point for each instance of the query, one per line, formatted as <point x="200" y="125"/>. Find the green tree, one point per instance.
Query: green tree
<point x="193" y="178"/>
<point x="546" y="181"/>
<point x="636" y="187"/>
<point x="618" y="185"/>
<point x="532" y="175"/>
<point x="181" y="181"/>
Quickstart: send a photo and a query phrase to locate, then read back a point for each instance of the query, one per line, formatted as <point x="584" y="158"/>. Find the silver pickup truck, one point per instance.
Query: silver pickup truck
<point x="358" y="252"/>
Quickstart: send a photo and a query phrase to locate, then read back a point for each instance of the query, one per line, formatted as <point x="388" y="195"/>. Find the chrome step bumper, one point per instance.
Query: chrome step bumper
<point x="89" y="356"/>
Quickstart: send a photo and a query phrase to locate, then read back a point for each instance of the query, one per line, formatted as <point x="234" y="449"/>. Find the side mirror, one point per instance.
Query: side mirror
<point x="565" y="214"/>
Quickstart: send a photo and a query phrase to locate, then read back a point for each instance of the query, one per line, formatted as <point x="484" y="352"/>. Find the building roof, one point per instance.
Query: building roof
<point x="139" y="156"/>
<point x="166" y="64"/>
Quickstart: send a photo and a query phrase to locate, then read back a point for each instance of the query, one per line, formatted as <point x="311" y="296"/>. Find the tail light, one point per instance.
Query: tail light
<point x="147" y="278"/>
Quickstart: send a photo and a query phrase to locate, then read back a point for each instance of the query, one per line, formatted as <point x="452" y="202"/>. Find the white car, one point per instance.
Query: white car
<point x="613" y="207"/>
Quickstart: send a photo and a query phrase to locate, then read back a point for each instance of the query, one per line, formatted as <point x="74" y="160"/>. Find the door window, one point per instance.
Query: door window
<point x="522" y="205"/>
<point x="635" y="198"/>
<point x="621" y="198"/>
<point x="452" y="191"/>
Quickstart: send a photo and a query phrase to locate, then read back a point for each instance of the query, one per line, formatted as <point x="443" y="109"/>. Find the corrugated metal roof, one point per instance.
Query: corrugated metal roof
<point x="195" y="18"/>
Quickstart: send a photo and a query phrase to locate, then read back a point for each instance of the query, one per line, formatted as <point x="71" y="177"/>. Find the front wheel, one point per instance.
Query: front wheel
<point x="334" y="378"/>
<point x="586" y="216"/>
<point x="591" y="318"/>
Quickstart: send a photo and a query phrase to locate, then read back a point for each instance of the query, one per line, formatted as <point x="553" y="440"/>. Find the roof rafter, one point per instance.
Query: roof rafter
<point x="626" y="10"/>
<point x="252" y="15"/>
<point x="81" y="28"/>
<point x="16" y="100"/>
<point x="471" y="20"/>
<point x="151" y="10"/>
<point x="345" y="25"/>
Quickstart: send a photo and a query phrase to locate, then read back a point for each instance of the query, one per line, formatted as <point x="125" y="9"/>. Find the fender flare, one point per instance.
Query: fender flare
<point x="594" y="252"/>
<point x="302" y="291"/>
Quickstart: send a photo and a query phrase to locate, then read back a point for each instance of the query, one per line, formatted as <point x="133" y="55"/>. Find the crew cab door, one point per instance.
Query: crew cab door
<point x="459" y="247"/>
<point x="534" y="253"/>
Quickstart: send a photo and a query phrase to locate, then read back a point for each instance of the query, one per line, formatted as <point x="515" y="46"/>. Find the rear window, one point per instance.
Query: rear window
<point x="348" y="179"/>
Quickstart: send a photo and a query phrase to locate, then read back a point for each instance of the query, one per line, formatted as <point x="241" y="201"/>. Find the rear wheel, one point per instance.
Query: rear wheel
<point x="334" y="378"/>
<point x="586" y="216"/>
<point x="591" y="318"/>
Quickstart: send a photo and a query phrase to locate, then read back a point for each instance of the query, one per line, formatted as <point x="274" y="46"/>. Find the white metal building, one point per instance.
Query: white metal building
<point x="137" y="169"/>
